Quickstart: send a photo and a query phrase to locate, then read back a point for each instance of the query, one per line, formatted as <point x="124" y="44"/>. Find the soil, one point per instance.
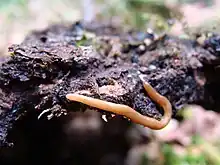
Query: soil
<point x="49" y="64"/>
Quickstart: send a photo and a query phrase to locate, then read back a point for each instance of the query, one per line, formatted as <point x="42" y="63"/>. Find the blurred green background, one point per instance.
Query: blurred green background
<point x="18" y="17"/>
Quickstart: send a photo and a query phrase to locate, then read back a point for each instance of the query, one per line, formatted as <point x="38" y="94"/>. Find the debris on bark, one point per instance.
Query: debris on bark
<point x="49" y="64"/>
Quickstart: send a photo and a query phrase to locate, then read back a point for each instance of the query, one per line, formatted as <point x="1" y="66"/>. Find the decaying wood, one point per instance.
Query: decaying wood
<point x="48" y="65"/>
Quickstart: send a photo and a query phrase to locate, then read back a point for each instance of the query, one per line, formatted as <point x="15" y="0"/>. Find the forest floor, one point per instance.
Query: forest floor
<point x="104" y="60"/>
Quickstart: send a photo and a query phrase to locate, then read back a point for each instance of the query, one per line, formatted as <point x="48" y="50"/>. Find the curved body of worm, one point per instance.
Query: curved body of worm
<point x="127" y="111"/>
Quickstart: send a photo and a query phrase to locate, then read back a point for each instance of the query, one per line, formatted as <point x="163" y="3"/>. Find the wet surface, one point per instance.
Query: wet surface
<point x="50" y="64"/>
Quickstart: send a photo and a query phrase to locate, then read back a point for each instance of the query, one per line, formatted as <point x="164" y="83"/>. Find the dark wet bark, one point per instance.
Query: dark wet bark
<point x="48" y="65"/>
